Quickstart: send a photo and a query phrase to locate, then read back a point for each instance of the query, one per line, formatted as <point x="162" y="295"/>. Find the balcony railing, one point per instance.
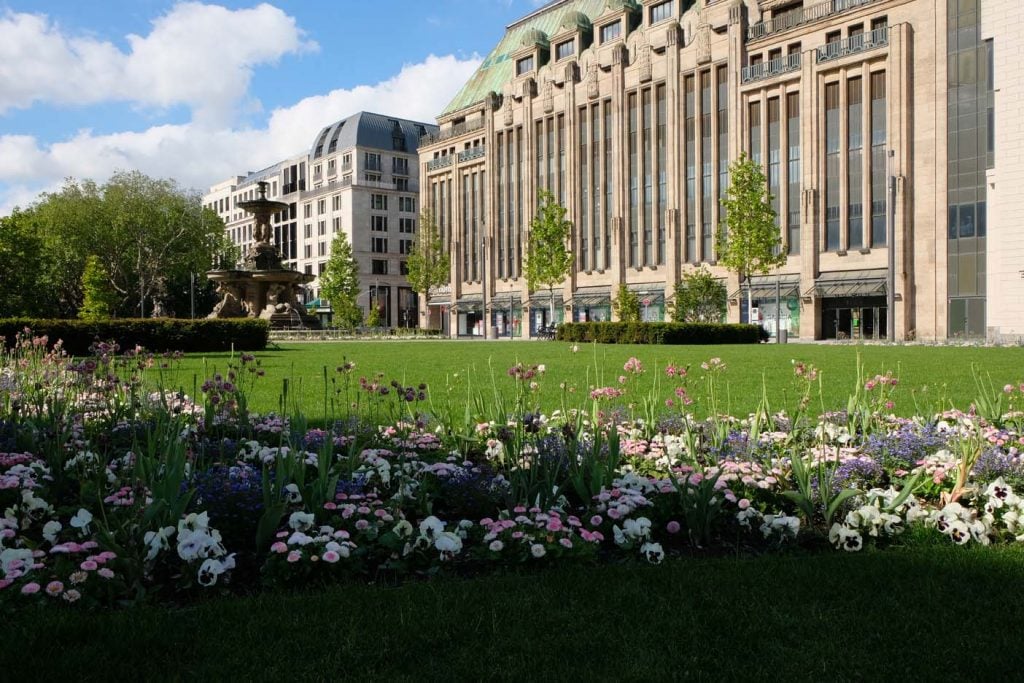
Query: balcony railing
<point x="854" y="44"/>
<point x="781" y="65"/>
<point x="372" y="164"/>
<point x="472" y="153"/>
<point x="799" y="17"/>
<point x="455" y="131"/>
<point x="440" y="162"/>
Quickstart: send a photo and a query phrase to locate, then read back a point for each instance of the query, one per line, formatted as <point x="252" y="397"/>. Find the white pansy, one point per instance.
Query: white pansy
<point x="652" y="552"/>
<point x="448" y="543"/>
<point x="291" y="493"/>
<point x="51" y="529"/>
<point x="431" y="527"/>
<point x="300" y="521"/>
<point x="299" y="538"/>
<point x="81" y="520"/>
<point x="157" y="540"/>
<point x="403" y="529"/>
<point x="537" y="550"/>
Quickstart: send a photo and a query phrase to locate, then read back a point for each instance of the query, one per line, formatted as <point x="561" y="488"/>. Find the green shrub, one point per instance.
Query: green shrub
<point x="154" y="334"/>
<point x="659" y="333"/>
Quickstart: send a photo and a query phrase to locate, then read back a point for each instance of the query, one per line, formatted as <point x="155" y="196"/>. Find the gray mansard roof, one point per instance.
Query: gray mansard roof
<point x="370" y="130"/>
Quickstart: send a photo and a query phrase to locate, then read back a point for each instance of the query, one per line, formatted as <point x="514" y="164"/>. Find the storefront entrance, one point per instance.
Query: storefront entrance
<point x="854" y="318"/>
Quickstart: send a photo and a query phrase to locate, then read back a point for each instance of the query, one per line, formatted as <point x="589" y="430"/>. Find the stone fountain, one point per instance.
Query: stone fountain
<point x="264" y="288"/>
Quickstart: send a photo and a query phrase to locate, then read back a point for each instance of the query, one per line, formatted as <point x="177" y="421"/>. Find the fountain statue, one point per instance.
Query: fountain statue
<point x="264" y="288"/>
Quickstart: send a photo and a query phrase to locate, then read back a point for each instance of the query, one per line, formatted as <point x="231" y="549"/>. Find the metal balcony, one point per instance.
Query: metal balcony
<point x="854" y="44"/>
<point x="781" y="65"/>
<point x="440" y="162"/>
<point x="472" y="153"/>
<point x="799" y="17"/>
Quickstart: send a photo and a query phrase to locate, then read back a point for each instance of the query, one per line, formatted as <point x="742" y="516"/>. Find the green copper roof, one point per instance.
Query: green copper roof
<point x="498" y="68"/>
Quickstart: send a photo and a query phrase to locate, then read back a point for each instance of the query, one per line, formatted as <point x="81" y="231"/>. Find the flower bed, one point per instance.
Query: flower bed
<point x="112" y="493"/>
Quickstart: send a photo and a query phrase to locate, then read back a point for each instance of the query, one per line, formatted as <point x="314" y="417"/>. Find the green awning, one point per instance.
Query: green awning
<point x="763" y="287"/>
<point x="849" y="283"/>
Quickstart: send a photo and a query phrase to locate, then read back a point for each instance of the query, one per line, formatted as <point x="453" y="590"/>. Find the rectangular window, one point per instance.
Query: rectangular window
<point x="793" y="172"/>
<point x="611" y="31"/>
<point x="608" y="175"/>
<point x="707" y="165"/>
<point x="400" y="165"/>
<point x="405" y="246"/>
<point x="378" y="266"/>
<point x="407" y="225"/>
<point x="854" y="163"/>
<point x="662" y="169"/>
<point x="336" y="224"/>
<point x="407" y="204"/>
<point x="321" y="206"/>
<point x="691" y="169"/>
<point x="379" y="245"/>
<point x="775" y="157"/>
<point x="755" y="131"/>
<point x="307" y="230"/>
<point x="307" y="210"/>
<point x="648" y="255"/>
<point x="379" y="223"/>
<point x="662" y="11"/>
<point x="371" y="161"/>
<point x="308" y="251"/>
<point x="832" y="169"/>
<point x="584" y="262"/>
<point x="336" y="202"/>
<point x="723" y="139"/>
<point x="879" y="168"/>
<point x="565" y="49"/>
<point x="321" y="249"/>
<point x="403" y="267"/>
<point x="379" y="202"/>
<point x="321" y="228"/>
<point x="634" y="181"/>
<point x="524" y="65"/>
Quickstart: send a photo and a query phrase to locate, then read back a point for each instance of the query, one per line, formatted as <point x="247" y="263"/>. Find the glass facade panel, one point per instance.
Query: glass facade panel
<point x="774" y="157"/>
<point x="691" y="169"/>
<point x="648" y="225"/>
<point x="793" y="172"/>
<point x="879" y="168"/>
<point x="832" y="167"/>
<point x="634" y="181"/>
<point x="707" y="166"/>
<point x="854" y="167"/>
<point x="662" y="161"/>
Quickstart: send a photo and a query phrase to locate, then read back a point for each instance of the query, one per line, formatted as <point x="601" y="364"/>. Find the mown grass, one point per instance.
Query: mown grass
<point x="926" y="612"/>
<point x="931" y="378"/>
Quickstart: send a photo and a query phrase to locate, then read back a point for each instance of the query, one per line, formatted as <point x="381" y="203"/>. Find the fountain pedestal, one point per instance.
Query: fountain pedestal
<point x="264" y="288"/>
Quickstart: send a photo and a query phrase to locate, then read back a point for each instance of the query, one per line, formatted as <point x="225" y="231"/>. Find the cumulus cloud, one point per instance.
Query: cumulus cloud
<point x="203" y="151"/>
<point x="193" y="56"/>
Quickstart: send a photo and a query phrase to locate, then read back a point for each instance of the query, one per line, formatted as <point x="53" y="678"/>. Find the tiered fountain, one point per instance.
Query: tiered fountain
<point x="264" y="288"/>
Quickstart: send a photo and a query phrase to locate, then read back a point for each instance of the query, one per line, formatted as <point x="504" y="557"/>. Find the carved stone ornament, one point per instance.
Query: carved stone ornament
<point x="703" y="40"/>
<point x="547" y="96"/>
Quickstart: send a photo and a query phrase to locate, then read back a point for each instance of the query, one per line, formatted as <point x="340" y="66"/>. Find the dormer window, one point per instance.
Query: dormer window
<point x="610" y="32"/>
<point x="662" y="11"/>
<point x="524" y="65"/>
<point x="565" y="50"/>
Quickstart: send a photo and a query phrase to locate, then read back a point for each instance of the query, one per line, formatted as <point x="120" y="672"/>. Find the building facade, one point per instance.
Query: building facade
<point x="360" y="177"/>
<point x="880" y="125"/>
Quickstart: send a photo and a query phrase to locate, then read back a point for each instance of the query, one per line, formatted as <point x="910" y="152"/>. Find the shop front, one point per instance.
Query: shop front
<point x="506" y="314"/>
<point x="774" y="297"/>
<point x="469" y="311"/>
<point x="853" y="304"/>
<point x="591" y="304"/>
<point x="652" y="302"/>
<point x="540" y="312"/>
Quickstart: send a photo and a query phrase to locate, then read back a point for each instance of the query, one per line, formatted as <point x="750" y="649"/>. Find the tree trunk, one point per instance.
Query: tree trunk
<point x="750" y="303"/>
<point x="551" y="314"/>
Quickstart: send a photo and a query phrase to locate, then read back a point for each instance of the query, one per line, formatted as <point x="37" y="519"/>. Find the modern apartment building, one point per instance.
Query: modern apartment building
<point x="360" y="177"/>
<point x="882" y="127"/>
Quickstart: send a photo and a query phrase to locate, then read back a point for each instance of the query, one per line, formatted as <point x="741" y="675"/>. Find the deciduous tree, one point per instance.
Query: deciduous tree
<point x="548" y="257"/>
<point x="748" y="239"/>
<point x="700" y="298"/>
<point x="339" y="283"/>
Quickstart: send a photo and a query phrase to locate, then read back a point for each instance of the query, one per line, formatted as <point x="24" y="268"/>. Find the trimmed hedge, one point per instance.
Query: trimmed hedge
<point x="660" y="333"/>
<point x="154" y="334"/>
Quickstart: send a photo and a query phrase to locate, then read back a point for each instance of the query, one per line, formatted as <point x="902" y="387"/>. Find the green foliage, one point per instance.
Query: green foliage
<point x="373" y="318"/>
<point x="428" y="264"/>
<point x="626" y="305"/>
<point x="700" y="298"/>
<point x="748" y="240"/>
<point x="100" y="299"/>
<point x="339" y="283"/>
<point x="659" y="333"/>
<point x="548" y="257"/>
<point x="148" y="234"/>
<point x="163" y="334"/>
<point x="22" y="253"/>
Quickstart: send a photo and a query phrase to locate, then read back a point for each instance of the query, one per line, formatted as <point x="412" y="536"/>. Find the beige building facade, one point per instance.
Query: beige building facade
<point x="875" y="121"/>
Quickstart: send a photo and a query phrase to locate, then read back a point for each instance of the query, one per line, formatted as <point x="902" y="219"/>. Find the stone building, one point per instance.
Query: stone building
<point x="631" y="112"/>
<point x="361" y="177"/>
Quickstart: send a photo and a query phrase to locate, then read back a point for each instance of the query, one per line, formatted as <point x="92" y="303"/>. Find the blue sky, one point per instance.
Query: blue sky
<point x="200" y="91"/>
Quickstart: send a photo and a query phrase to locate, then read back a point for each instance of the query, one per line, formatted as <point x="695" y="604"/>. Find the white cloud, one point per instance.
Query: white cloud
<point x="203" y="151"/>
<point x="194" y="55"/>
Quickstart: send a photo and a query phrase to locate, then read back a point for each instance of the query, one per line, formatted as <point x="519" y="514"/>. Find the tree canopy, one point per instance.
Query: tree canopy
<point x="700" y="298"/>
<point x="748" y="240"/>
<point x="339" y="283"/>
<point x="548" y="257"/>
<point x="149" y="235"/>
<point x="428" y="264"/>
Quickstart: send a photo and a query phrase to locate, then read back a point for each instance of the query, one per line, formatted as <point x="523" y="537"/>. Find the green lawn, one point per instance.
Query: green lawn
<point x="919" y="613"/>
<point x="930" y="377"/>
